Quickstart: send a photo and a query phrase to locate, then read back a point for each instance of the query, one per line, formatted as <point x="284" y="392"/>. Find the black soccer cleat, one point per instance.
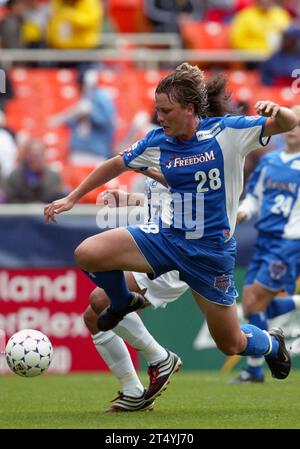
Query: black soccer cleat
<point x="160" y="375"/>
<point x="280" y="365"/>
<point x="108" y="319"/>
<point x="125" y="403"/>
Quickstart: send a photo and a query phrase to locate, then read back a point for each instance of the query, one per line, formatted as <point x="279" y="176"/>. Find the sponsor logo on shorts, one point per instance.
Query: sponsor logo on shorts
<point x="277" y="270"/>
<point x="222" y="283"/>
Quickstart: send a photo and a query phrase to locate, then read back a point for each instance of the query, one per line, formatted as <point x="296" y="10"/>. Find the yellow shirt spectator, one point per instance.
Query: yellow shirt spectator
<point x="255" y="28"/>
<point x="75" y="24"/>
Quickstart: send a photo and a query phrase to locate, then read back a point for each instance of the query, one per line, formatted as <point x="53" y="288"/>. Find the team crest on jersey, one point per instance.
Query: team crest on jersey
<point x="170" y="162"/>
<point x="277" y="270"/>
<point x="222" y="282"/>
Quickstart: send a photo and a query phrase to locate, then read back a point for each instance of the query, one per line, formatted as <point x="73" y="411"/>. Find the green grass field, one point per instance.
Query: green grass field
<point x="193" y="400"/>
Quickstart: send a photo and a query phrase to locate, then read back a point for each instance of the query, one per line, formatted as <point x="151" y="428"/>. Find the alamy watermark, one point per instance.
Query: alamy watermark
<point x="2" y="81"/>
<point x="296" y="82"/>
<point x="181" y="211"/>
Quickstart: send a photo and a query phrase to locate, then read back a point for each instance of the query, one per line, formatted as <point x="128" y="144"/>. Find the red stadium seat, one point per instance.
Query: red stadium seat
<point x="205" y="35"/>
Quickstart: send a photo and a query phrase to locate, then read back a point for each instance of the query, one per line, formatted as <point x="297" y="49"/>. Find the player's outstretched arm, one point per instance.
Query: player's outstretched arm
<point x="120" y="198"/>
<point x="280" y="119"/>
<point x="99" y="176"/>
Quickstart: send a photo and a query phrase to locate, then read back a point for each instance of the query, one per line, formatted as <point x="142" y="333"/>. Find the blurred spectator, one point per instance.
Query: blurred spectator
<point x="91" y="121"/>
<point x="224" y="10"/>
<point x="75" y="24"/>
<point x="8" y="152"/>
<point x="277" y="70"/>
<point x="142" y="123"/>
<point x="11" y="25"/>
<point x="32" y="181"/>
<point x="259" y="27"/>
<point x="220" y="10"/>
<point x="293" y="7"/>
<point x="164" y="15"/>
<point x="36" y="16"/>
<point x="8" y="88"/>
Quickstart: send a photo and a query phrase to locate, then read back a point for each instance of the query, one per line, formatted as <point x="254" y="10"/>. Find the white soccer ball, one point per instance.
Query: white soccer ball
<point x="29" y="353"/>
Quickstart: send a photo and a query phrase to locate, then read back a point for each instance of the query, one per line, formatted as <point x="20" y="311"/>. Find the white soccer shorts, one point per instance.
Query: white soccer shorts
<point x="162" y="290"/>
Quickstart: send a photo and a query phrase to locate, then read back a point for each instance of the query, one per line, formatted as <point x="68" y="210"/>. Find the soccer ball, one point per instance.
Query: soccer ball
<point x="29" y="353"/>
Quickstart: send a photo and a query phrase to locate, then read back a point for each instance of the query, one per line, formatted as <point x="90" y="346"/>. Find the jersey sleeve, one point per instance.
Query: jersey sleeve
<point x="142" y="154"/>
<point x="246" y="132"/>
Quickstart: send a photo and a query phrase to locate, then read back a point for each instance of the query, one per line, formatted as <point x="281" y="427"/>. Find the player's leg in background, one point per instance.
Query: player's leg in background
<point x="231" y="338"/>
<point x="259" y="305"/>
<point x="255" y="300"/>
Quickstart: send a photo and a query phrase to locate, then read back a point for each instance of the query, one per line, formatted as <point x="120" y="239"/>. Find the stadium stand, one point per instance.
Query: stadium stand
<point x="40" y="93"/>
<point x="205" y="35"/>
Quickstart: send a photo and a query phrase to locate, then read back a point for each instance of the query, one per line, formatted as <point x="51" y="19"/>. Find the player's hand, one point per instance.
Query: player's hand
<point x="113" y="198"/>
<point x="267" y="108"/>
<point x="241" y="216"/>
<point x="56" y="207"/>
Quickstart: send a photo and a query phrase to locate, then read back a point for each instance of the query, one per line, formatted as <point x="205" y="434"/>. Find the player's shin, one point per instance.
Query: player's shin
<point x="115" y="353"/>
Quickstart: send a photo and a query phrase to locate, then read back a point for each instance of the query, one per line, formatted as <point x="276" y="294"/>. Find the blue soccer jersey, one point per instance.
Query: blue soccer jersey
<point x="275" y="184"/>
<point x="205" y="173"/>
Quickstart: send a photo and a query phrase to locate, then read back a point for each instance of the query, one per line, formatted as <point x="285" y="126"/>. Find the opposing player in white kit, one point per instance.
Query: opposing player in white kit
<point x="158" y="293"/>
<point x="201" y="158"/>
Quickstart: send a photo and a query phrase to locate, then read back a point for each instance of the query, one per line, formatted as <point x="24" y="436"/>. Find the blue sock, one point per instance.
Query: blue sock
<point x="280" y="306"/>
<point x="259" y="320"/>
<point x="114" y="285"/>
<point x="258" y="342"/>
<point x="254" y="365"/>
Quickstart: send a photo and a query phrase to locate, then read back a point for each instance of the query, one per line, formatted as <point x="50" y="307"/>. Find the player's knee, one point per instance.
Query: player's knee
<point x="89" y="318"/>
<point x="98" y="300"/>
<point x="84" y="257"/>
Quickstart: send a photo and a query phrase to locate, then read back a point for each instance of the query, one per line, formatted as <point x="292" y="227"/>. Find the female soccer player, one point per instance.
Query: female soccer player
<point x="201" y="159"/>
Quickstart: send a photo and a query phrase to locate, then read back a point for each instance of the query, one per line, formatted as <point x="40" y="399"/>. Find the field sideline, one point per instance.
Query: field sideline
<point x="193" y="400"/>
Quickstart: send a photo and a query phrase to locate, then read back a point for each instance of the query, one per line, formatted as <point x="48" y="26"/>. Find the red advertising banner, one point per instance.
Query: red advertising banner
<point x="51" y="301"/>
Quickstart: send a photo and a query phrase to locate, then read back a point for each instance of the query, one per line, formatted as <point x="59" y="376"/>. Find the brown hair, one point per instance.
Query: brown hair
<point x="218" y="96"/>
<point x="186" y="84"/>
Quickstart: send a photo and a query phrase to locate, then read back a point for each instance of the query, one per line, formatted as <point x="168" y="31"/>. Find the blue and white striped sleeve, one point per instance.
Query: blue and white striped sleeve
<point x="142" y="154"/>
<point x="246" y="132"/>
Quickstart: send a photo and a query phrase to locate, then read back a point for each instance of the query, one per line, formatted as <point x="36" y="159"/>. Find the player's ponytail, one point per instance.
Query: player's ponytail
<point x="219" y="98"/>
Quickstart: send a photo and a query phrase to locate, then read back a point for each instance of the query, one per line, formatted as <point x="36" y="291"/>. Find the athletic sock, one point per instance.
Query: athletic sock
<point x="259" y="342"/>
<point x="114" y="285"/>
<point x="281" y="305"/>
<point x="255" y="362"/>
<point x="116" y="355"/>
<point x="133" y="330"/>
<point x="255" y="365"/>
